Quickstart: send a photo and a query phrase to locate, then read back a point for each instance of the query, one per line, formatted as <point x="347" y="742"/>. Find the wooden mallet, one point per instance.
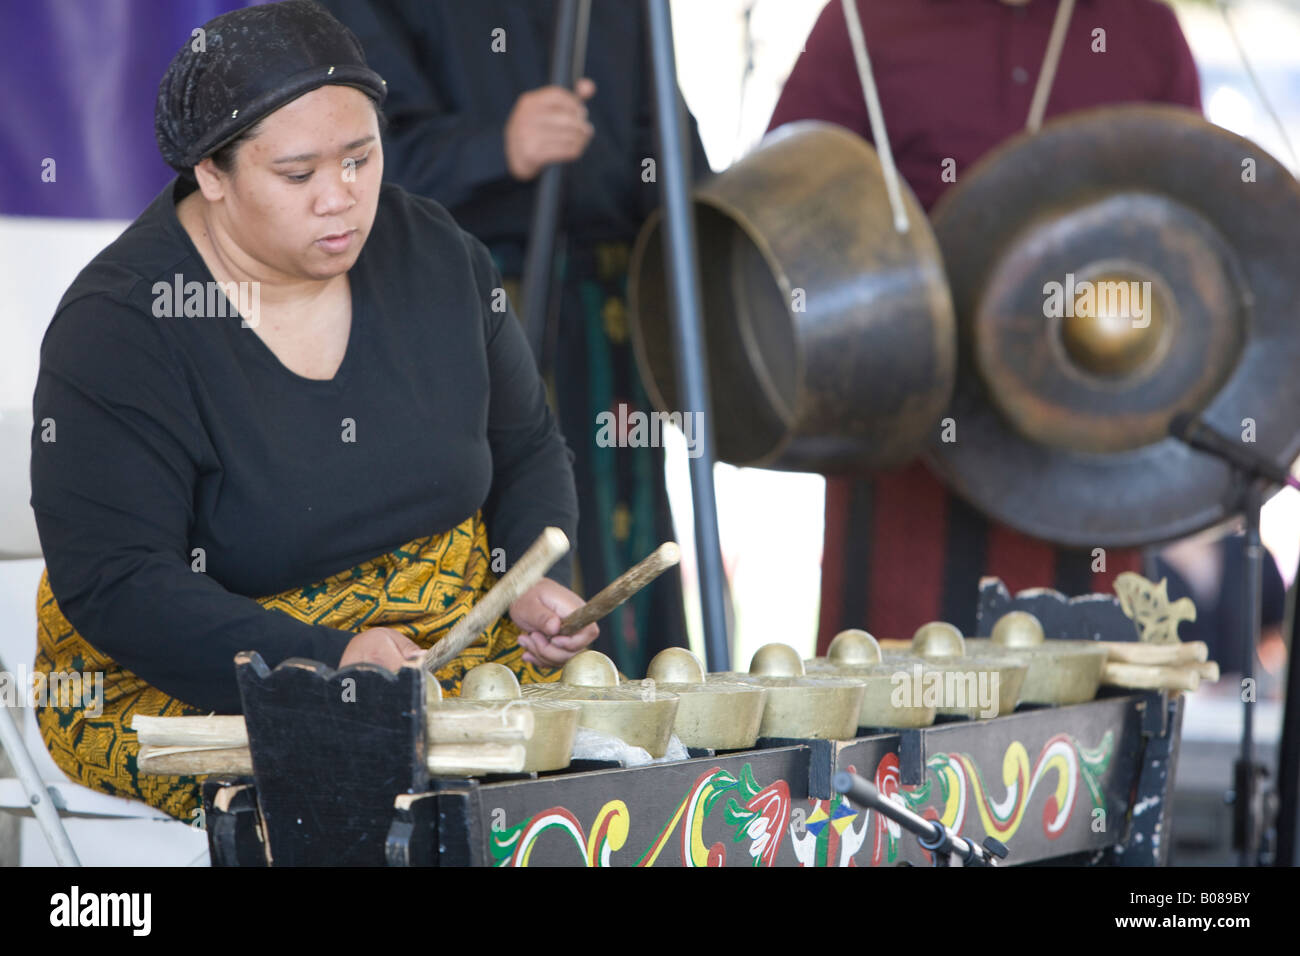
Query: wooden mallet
<point x="623" y="587"/>
<point x="528" y="571"/>
<point x="551" y="545"/>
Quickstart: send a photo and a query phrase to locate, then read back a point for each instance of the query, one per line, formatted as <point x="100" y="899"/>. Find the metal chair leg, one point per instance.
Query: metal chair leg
<point x="43" y="808"/>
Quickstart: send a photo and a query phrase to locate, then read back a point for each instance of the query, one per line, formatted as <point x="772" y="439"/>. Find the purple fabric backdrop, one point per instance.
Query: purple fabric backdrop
<point x="77" y="85"/>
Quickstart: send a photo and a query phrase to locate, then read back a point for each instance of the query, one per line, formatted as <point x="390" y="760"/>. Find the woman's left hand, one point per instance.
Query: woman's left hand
<point x="539" y="612"/>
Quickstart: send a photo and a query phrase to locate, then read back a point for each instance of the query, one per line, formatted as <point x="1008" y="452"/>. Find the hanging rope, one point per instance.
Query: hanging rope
<point x="1259" y="89"/>
<point x="878" y="133"/>
<point x="1051" y="60"/>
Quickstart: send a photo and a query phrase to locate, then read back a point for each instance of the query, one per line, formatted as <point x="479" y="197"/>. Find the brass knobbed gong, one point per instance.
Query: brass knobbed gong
<point x="855" y="654"/>
<point x="830" y="336"/>
<point x="1060" y="671"/>
<point x="641" y="715"/>
<point x="1120" y="266"/>
<point x="799" y="706"/>
<point x="938" y="655"/>
<point x="555" y="721"/>
<point x="713" y="715"/>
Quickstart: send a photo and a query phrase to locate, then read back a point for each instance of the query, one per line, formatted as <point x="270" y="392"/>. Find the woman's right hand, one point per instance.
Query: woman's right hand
<point x="383" y="646"/>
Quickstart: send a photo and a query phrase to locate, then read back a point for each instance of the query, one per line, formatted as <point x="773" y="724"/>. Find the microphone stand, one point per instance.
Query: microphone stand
<point x="1253" y="805"/>
<point x="943" y="843"/>
<point x="1288" y="758"/>
<point x="1248" y="795"/>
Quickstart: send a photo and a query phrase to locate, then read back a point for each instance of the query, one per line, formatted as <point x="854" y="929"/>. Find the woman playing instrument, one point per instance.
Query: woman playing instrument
<point x="289" y="410"/>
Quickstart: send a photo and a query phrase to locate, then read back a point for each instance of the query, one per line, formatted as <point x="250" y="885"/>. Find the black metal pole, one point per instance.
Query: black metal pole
<point x="568" y="53"/>
<point x="1288" y="758"/>
<point x="1246" y="781"/>
<point x="689" y="353"/>
<point x="1253" y="581"/>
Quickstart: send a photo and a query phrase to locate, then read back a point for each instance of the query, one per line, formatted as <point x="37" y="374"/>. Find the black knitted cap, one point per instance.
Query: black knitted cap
<point x="252" y="62"/>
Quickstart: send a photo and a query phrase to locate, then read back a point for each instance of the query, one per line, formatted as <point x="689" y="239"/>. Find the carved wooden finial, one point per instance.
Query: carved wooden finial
<point x="1147" y="604"/>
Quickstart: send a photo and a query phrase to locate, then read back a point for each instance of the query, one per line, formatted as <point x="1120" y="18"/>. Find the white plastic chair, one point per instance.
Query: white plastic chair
<point x="29" y="794"/>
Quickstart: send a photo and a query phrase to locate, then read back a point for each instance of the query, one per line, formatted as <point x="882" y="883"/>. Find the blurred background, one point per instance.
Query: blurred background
<point x="77" y="80"/>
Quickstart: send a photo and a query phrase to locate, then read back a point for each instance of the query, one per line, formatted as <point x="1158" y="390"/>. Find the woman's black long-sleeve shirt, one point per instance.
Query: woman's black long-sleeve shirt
<point x="156" y="435"/>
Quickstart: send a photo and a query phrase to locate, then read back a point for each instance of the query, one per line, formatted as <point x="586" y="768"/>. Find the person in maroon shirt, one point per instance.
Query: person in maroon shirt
<point x="955" y="79"/>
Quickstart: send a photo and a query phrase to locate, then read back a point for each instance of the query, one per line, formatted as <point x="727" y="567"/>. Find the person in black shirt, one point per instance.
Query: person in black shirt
<point x="288" y="411"/>
<point x="472" y="126"/>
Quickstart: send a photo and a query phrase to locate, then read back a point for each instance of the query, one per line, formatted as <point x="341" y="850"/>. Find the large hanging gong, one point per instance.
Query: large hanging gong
<point x="830" y="336"/>
<point x="1119" y="266"/>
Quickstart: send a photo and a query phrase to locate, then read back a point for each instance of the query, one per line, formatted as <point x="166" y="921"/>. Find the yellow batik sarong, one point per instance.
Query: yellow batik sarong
<point x="421" y="589"/>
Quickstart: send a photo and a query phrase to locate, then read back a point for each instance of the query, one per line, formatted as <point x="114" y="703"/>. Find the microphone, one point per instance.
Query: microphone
<point x="1191" y="430"/>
